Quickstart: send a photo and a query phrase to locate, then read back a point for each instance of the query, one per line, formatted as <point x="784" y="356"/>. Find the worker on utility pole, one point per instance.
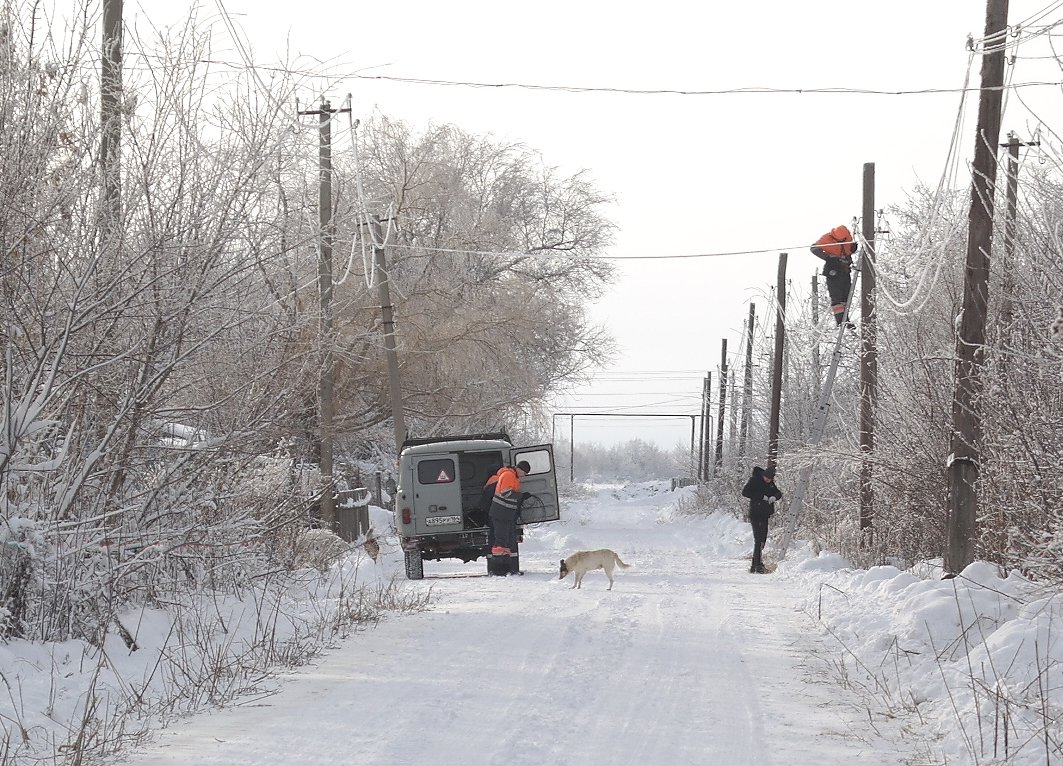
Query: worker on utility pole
<point x="837" y="248"/>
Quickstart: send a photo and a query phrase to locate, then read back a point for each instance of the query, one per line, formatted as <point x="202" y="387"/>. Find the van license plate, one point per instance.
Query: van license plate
<point x="438" y="521"/>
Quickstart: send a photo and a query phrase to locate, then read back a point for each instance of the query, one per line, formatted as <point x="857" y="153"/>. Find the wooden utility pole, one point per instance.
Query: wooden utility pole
<point x="816" y="360"/>
<point x="111" y="114"/>
<point x="722" y="407"/>
<point x="963" y="464"/>
<point x="1007" y="284"/>
<point x="747" y="389"/>
<point x="1007" y="307"/>
<point x="324" y="283"/>
<point x="326" y="339"/>
<point x="868" y="358"/>
<point x="572" y="449"/>
<point x="707" y="417"/>
<point x="732" y="432"/>
<point x="777" y="364"/>
<point x="386" y="310"/>
<point x="699" y="469"/>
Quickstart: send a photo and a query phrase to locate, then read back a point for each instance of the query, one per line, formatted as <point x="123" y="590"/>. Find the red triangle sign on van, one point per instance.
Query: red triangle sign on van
<point x="442" y="477"/>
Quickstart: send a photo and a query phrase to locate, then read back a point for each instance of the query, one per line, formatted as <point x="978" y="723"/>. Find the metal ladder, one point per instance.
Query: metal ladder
<point x="820" y="425"/>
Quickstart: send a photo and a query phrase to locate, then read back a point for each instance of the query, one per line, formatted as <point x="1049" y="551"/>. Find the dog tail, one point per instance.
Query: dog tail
<point x="621" y="563"/>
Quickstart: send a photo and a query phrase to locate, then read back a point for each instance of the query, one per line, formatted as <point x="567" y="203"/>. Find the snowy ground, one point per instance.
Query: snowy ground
<point x="688" y="660"/>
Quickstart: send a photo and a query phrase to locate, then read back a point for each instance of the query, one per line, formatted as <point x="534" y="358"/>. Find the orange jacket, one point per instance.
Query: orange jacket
<point x="836" y="243"/>
<point x="507" y="488"/>
<point x="508" y="481"/>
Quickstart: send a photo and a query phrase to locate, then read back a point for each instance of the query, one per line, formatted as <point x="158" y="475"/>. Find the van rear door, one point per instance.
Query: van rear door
<point x="437" y="493"/>
<point x="540" y="482"/>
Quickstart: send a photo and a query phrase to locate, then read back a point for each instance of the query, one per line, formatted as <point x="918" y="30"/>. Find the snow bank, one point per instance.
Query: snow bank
<point x="972" y="656"/>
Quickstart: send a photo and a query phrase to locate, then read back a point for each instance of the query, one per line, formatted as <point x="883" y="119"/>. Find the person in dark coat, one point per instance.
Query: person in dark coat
<point x="762" y="494"/>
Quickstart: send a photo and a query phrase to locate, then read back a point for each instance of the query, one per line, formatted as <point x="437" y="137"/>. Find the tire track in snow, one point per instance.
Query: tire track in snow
<point x="688" y="661"/>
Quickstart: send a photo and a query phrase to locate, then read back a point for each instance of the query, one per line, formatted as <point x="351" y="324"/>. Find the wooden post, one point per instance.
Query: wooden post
<point x="868" y="358"/>
<point x="572" y="449"/>
<point x="722" y="407"/>
<point x="963" y="464"/>
<point x="388" y="324"/>
<point x="111" y="114"/>
<point x="747" y="389"/>
<point x="700" y="471"/>
<point x="1007" y="302"/>
<point x="324" y="272"/>
<point x="817" y="361"/>
<point x="705" y="472"/>
<point x="1008" y="282"/>
<point x="777" y="365"/>
<point x="732" y="431"/>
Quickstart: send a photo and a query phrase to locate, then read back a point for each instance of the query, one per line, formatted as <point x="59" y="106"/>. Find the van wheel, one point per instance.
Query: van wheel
<point x="414" y="565"/>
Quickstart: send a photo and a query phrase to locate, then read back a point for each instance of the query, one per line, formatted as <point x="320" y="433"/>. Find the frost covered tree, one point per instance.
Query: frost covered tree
<point x="493" y="257"/>
<point x="920" y="278"/>
<point x="160" y="377"/>
<point x="116" y="345"/>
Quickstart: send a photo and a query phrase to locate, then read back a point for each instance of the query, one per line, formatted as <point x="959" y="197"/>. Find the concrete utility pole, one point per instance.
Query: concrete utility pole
<point x="777" y="365"/>
<point x="380" y="267"/>
<point x="747" y="389"/>
<point x="111" y="114"/>
<point x="868" y="359"/>
<point x="963" y="464"/>
<point x="722" y="407"/>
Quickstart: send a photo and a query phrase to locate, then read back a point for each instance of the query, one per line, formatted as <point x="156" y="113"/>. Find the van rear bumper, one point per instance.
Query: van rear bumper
<point x="467" y="546"/>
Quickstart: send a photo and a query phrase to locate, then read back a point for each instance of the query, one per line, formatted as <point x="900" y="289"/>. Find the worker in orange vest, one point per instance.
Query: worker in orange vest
<point x="504" y="557"/>
<point x="836" y="248"/>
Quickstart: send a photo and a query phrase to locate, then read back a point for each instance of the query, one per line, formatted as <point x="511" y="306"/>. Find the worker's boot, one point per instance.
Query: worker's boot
<point x="497" y="565"/>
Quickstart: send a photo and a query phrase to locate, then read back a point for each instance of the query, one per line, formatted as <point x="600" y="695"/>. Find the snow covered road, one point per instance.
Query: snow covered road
<point x="688" y="660"/>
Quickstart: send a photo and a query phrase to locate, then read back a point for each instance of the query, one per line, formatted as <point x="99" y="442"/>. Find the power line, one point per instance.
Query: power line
<point x="747" y="90"/>
<point x="586" y="394"/>
<point x="550" y="254"/>
<point x="610" y="414"/>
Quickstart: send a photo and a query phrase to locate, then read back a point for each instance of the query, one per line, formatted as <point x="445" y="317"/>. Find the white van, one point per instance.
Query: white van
<point x="440" y="482"/>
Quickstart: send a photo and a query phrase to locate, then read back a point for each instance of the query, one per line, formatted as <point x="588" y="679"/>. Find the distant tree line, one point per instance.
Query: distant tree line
<point x="631" y="461"/>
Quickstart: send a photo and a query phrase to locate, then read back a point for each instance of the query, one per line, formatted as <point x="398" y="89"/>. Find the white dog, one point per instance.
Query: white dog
<point x="581" y="562"/>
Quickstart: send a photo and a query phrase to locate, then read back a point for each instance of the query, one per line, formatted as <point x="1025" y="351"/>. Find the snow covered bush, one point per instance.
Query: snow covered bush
<point x="318" y="548"/>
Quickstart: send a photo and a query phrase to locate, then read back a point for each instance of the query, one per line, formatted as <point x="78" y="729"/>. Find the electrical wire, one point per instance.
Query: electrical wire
<point x="931" y="267"/>
<point x="549" y="254"/>
<point x="363" y="210"/>
<point x="245" y="56"/>
<point x="748" y="90"/>
<point x="1034" y="18"/>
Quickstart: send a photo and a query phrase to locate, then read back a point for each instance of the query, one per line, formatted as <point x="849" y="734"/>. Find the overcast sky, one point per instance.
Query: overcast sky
<point x="692" y="173"/>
